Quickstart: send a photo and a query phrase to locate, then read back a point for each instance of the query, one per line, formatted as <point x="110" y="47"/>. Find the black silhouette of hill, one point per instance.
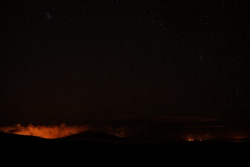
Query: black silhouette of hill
<point x="92" y="136"/>
<point x="95" y="143"/>
<point x="9" y="138"/>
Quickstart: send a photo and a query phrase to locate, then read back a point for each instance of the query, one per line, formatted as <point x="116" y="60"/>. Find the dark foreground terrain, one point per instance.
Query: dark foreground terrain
<point x="101" y="144"/>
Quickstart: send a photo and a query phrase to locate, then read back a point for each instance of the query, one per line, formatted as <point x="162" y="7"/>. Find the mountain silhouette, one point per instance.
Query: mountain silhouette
<point x="93" y="136"/>
<point x="18" y="139"/>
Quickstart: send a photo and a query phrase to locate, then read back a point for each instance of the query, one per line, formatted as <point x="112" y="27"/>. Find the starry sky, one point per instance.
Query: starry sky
<point x="89" y="60"/>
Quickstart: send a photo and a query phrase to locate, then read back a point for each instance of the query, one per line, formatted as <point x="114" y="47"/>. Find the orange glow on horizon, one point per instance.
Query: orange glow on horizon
<point x="48" y="132"/>
<point x="190" y="139"/>
<point x="196" y="137"/>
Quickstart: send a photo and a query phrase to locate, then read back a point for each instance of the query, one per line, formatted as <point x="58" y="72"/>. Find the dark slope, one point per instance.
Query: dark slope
<point x="9" y="138"/>
<point x="98" y="144"/>
<point x="93" y="136"/>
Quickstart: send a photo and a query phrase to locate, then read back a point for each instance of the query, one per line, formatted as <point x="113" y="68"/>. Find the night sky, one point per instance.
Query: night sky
<point x="92" y="60"/>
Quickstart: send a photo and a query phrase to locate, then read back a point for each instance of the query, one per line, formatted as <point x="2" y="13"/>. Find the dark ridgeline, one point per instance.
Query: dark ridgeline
<point x="96" y="147"/>
<point x="95" y="139"/>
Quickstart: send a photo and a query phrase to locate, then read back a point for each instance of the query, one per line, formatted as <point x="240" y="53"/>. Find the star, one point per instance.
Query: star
<point x="48" y="15"/>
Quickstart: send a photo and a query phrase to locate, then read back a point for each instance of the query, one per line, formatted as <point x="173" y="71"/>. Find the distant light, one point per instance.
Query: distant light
<point x="190" y="139"/>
